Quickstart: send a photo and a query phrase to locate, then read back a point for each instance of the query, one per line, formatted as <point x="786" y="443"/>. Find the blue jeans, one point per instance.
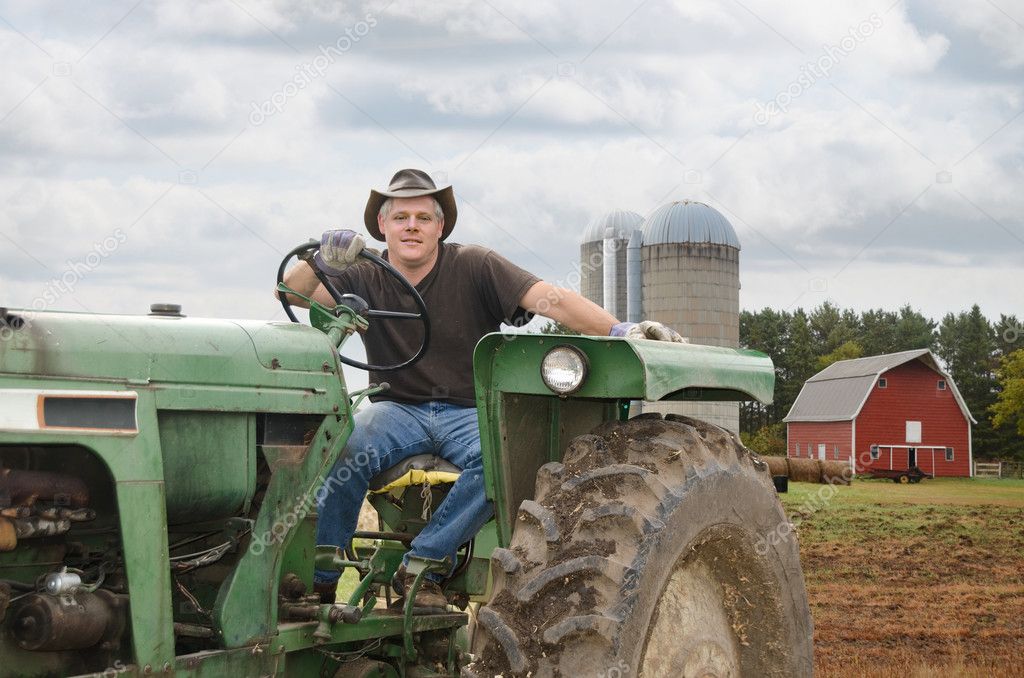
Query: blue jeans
<point x="387" y="432"/>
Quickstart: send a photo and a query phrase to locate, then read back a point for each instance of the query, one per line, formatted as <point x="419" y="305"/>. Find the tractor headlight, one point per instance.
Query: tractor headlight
<point x="564" y="369"/>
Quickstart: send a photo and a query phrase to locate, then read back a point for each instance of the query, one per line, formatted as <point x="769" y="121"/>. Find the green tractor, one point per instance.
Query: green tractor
<point x="159" y="478"/>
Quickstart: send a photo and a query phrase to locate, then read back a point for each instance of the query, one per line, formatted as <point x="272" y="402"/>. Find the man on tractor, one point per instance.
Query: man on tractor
<point x="430" y="406"/>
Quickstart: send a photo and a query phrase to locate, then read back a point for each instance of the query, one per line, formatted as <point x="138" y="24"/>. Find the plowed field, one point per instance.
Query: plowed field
<point x="914" y="580"/>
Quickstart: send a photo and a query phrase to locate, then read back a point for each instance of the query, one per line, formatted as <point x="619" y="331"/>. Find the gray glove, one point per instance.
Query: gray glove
<point x="339" y="249"/>
<point x="648" y="329"/>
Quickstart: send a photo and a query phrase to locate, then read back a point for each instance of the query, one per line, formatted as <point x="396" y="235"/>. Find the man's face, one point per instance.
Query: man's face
<point x="411" y="231"/>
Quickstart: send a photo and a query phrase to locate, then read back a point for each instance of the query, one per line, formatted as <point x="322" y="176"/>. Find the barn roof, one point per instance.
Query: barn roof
<point x="839" y="391"/>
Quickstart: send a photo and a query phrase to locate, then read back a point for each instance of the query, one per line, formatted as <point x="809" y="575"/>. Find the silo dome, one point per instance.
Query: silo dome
<point x="593" y="255"/>
<point x="623" y="222"/>
<point x="689" y="221"/>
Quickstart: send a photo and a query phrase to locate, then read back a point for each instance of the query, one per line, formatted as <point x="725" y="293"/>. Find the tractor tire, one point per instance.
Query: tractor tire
<point x="656" y="548"/>
<point x="366" y="668"/>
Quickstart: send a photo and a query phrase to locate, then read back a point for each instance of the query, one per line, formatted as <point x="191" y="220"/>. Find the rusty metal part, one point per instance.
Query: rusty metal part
<point x="5" y="599"/>
<point x="80" y="515"/>
<point x="24" y="488"/>
<point x="193" y="630"/>
<point x="36" y="526"/>
<point x="292" y="587"/>
<point x="53" y="623"/>
<point x="8" y="535"/>
<point x="299" y="612"/>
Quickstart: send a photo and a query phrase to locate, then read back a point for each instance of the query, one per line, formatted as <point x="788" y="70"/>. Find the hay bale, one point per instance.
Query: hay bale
<point x="805" y="470"/>
<point x="777" y="466"/>
<point x="836" y="472"/>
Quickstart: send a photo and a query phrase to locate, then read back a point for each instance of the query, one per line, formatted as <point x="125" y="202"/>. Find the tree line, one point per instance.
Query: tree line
<point x="985" y="358"/>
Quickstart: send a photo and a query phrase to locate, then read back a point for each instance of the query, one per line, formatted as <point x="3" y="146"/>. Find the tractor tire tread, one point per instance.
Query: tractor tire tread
<point x="564" y="611"/>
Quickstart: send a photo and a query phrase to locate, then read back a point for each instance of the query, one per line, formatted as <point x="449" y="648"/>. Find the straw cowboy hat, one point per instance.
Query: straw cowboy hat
<point x="410" y="183"/>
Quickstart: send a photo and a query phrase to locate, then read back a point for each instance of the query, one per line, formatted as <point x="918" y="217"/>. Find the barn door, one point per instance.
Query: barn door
<point x="821" y="451"/>
<point x="911" y="457"/>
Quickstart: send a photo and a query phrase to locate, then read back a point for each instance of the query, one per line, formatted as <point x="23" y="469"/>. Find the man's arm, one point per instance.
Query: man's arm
<point x="302" y="279"/>
<point x="569" y="308"/>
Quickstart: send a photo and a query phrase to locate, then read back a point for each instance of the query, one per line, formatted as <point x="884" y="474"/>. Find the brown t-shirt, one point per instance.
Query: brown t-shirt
<point x="470" y="291"/>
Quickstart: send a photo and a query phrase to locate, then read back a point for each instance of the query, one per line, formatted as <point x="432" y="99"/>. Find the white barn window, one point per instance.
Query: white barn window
<point x="913" y="431"/>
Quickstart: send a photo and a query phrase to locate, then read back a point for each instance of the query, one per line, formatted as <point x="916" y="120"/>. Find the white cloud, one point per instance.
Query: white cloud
<point x="216" y="17"/>
<point x="441" y="84"/>
<point x="999" y="25"/>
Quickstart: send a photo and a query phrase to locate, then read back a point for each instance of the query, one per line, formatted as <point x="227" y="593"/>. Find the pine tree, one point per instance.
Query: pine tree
<point x="878" y="331"/>
<point x="765" y="331"/>
<point x="799" y="362"/>
<point x="831" y="328"/>
<point x="966" y="343"/>
<point x="913" y="330"/>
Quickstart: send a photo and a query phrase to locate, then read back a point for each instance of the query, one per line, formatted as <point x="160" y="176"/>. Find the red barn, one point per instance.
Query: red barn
<point x="888" y="411"/>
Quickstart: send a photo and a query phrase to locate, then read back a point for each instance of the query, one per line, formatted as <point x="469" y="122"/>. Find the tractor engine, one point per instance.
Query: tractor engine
<point x="135" y="455"/>
<point x="61" y="582"/>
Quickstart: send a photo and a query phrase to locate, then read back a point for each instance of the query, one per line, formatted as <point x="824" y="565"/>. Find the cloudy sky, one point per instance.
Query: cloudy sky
<point x="870" y="153"/>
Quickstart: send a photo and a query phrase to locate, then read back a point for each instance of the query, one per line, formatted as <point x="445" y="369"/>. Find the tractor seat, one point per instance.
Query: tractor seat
<point x="421" y="469"/>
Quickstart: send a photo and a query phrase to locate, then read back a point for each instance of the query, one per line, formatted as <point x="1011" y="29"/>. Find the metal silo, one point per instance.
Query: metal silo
<point x="609" y="233"/>
<point x="690" y="260"/>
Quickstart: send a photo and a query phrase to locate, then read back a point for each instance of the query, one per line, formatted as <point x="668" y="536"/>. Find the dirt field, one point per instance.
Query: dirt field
<point x="914" y="580"/>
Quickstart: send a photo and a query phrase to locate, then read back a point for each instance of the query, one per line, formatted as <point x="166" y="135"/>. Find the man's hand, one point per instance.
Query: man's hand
<point x="339" y="249"/>
<point x="648" y="329"/>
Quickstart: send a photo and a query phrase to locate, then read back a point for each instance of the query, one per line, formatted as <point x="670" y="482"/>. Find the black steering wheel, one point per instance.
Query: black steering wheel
<point x="359" y="305"/>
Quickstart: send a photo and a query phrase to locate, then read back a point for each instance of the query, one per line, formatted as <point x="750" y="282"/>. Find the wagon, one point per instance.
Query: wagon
<point x="903" y="476"/>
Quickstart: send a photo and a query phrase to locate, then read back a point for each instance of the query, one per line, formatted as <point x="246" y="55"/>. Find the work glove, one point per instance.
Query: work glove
<point x="339" y="249"/>
<point x="648" y="329"/>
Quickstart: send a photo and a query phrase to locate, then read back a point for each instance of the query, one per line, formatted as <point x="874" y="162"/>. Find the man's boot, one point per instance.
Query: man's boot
<point x="429" y="598"/>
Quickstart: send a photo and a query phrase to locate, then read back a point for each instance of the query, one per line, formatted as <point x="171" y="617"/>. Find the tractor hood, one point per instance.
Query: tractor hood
<point x="141" y="350"/>
<point x="637" y="369"/>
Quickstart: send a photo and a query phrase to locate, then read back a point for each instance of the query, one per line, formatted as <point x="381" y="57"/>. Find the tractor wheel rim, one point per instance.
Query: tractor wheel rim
<point x="691" y="635"/>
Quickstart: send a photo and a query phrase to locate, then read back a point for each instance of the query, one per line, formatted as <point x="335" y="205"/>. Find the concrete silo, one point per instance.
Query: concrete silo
<point x="690" y="271"/>
<point x="605" y="239"/>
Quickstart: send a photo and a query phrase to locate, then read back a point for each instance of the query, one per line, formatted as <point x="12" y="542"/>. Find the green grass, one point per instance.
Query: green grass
<point x="965" y="491"/>
<point x="350" y="577"/>
<point x="948" y="510"/>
